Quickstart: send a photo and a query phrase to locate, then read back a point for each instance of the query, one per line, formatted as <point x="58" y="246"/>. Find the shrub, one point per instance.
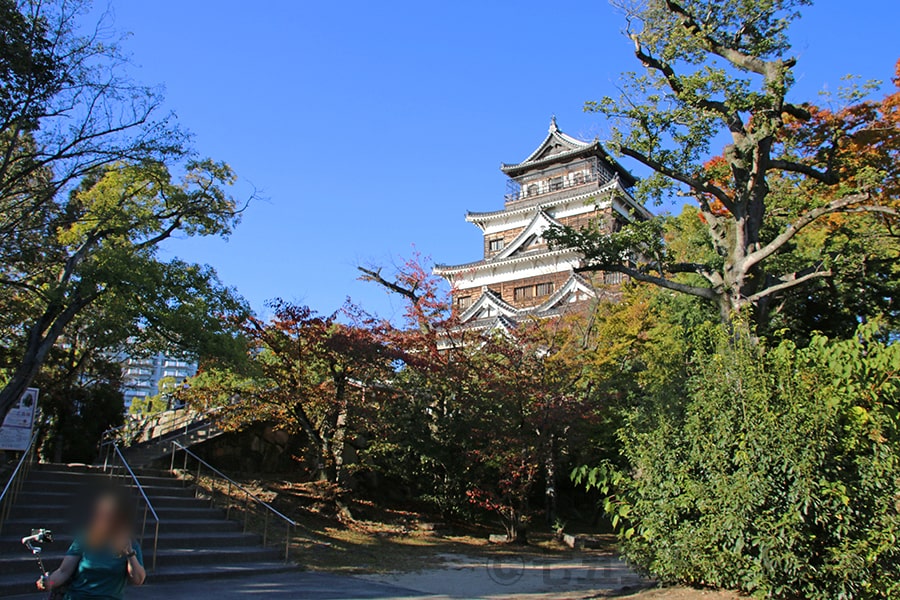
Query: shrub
<point x="777" y="473"/>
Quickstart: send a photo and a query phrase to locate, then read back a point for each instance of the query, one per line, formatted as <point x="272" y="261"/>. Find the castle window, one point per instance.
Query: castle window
<point x="532" y="190"/>
<point x="525" y="292"/>
<point x="556" y="183"/>
<point x="543" y="289"/>
<point x="464" y="302"/>
<point x="613" y="278"/>
<point x="496" y="245"/>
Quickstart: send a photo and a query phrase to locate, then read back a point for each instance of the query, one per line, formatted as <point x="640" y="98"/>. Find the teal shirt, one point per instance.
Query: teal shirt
<point x="101" y="573"/>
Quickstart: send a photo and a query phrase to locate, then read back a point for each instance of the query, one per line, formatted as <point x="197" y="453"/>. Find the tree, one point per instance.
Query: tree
<point x="307" y="374"/>
<point x="722" y="68"/>
<point x="85" y="190"/>
<point x="81" y="397"/>
<point x="157" y="403"/>
<point x="481" y="419"/>
<point x="533" y="407"/>
<point x="67" y="108"/>
<point x="102" y="245"/>
<point x="861" y="250"/>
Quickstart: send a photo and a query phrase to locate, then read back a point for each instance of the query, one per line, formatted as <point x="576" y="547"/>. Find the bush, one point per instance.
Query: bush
<point x="777" y="474"/>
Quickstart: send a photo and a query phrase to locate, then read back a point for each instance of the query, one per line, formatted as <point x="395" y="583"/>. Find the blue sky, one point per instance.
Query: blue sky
<point x="371" y="128"/>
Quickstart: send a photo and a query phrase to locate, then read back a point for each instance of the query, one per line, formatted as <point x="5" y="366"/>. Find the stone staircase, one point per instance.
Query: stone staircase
<point x="195" y="540"/>
<point x="158" y="448"/>
<point x="149" y="440"/>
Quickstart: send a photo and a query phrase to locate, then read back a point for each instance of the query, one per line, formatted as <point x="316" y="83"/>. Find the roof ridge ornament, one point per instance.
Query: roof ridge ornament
<point x="553" y="126"/>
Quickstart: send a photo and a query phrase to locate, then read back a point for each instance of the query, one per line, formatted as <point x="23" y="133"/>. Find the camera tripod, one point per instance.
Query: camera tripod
<point x="41" y="536"/>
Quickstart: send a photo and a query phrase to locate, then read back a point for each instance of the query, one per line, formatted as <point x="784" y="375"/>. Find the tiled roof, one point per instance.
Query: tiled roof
<point x="574" y="147"/>
<point x="528" y="231"/>
<point x="615" y="184"/>
<point x="474" y="217"/>
<point x="550" y="308"/>
<point x="486" y="263"/>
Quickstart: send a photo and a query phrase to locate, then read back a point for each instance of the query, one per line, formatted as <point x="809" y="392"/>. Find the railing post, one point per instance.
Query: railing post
<point x="249" y="499"/>
<point x="155" y="544"/>
<point x="172" y="463"/>
<point x="2" y="514"/>
<point x="144" y="525"/>
<point x="246" y="509"/>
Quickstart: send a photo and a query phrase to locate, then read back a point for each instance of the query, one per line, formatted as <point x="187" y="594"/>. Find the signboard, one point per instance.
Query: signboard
<point x="15" y="433"/>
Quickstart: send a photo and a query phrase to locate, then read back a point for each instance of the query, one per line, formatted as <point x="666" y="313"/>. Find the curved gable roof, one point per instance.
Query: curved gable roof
<point x="488" y="299"/>
<point x="540" y="222"/>
<point x="560" y="146"/>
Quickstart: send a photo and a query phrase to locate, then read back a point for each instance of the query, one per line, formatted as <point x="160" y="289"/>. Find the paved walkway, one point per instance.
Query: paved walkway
<point x="576" y="578"/>
<point x="295" y="585"/>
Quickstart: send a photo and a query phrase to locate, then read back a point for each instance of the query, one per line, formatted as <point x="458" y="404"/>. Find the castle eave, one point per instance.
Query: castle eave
<point x="543" y="204"/>
<point x="480" y="265"/>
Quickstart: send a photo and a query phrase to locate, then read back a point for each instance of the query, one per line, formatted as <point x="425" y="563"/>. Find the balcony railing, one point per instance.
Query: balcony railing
<point x="557" y="184"/>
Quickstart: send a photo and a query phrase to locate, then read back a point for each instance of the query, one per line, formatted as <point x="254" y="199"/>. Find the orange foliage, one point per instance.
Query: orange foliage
<point x="856" y="140"/>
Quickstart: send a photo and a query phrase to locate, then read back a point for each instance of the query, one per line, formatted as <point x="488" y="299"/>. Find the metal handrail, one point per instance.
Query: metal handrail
<point x="130" y="432"/>
<point x="248" y="496"/>
<point x="14" y="484"/>
<point x="148" y="506"/>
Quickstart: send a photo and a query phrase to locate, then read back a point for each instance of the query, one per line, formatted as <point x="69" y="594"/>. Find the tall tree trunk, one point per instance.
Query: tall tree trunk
<point x="324" y="464"/>
<point x="550" y="496"/>
<point x="340" y="437"/>
<point x="42" y="335"/>
<point x="36" y="351"/>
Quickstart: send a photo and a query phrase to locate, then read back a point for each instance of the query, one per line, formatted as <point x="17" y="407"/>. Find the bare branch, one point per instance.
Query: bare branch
<point x="702" y="292"/>
<point x="847" y="204"/>
<point x="694" y="183"/>
<point x="789" y="281"/>
<point x="375" y="275"/>
<point x="826" y="177"/>
<point x="731" y="118"/>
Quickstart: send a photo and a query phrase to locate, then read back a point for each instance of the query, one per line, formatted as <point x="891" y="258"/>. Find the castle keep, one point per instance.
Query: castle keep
<point x="565" y="181"/>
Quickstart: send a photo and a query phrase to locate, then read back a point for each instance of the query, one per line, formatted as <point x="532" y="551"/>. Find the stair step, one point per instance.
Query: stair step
<point x="94" y="476"/>
<point x="76" y="488"/>
<point x="56" y="523"/>
<point x="22" y="562"/>
<point x="23" y="583"/>
<point x="10" y="544"/>
<point x="63" y="499"/>
<point x="166" y="513"/>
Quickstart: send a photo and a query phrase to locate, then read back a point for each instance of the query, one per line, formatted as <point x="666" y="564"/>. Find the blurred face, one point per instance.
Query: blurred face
<point x="107" y="520"/>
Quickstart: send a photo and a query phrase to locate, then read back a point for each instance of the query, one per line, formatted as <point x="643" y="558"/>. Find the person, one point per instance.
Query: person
<point x="100" y="563"/>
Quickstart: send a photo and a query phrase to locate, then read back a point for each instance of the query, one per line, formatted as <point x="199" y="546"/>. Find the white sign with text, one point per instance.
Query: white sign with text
<point x="15" y="433"/>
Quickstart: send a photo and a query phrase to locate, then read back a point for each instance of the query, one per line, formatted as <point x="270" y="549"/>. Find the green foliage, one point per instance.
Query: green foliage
<point x="309" y="375"/>
<point x="87" y="195"/>
<point x="776" y="473"/>
<point x="80" y="398"/>
<point x="157" y="403"/>
<point x="721" y="71"/>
